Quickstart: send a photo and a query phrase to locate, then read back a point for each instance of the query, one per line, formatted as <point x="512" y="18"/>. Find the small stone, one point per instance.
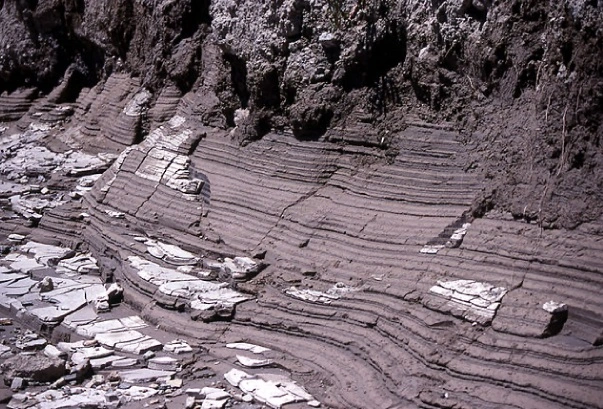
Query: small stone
<point x="174" y="383"/>
<point x="29" y="345"/>
<point x="252" y="362"/>
<point x="16" y="237"/>
<point x="115" y="293"/>
<point x="46" y="285"/>
<point x="554" y="307"/>
<point x="244" y="346"/>
<point x="95" y="381"/>
<point x="215" y="393"/>
<point x="124" y="363"/>
<point x="163" y="363"/>
<point x="101" y="306"/>
<point x="6" y="321"/>
<point x="195" y="393"/>
<point x="53" y="352"/>
<point x="17" y="384"/>
<point x="59" y="383"/>
<point x="148" y="355"/>
<point x="81" y="371"/>
<point x="115" y="215"/>
<point x="177" y="346"/>
<point x="190" y="402"/>
<point x="213" y="404"/>
<point x="326" y="37"/>
<point x="145" y="375"/>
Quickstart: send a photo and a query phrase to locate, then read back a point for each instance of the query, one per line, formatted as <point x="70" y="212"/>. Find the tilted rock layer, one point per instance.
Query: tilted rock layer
<point x="334" y="140"/>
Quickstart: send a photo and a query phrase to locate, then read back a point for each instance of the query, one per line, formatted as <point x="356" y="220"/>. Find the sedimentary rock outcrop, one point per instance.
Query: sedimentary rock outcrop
<point x="328" y="181"/>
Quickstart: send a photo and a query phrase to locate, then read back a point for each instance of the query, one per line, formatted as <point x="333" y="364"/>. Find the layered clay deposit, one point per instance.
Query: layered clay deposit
<point x="338" y="204"/>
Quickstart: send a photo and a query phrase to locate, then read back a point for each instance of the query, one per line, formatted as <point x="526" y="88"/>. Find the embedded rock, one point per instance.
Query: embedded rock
<point x="177" y="290"/>
<point x="169" y="253"/>
<point x="467" y="299"/>
<point x="333" y="293"/>
<point x="46" y="285"/>
<point x="523" y="313"/>
<point x="240" y="268"/>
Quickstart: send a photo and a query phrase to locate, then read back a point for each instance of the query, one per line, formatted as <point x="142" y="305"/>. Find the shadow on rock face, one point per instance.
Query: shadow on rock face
<point x="310" y="122"/>
<point x="383" y="48"/>
<point x="311" y="115"/>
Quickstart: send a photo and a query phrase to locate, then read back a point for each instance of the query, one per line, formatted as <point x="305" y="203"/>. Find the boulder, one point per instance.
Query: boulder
<point x="34" y="367"/>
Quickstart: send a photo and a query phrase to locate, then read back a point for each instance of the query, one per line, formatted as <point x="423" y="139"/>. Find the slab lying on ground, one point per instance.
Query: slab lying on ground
<point x="273" y="390"/>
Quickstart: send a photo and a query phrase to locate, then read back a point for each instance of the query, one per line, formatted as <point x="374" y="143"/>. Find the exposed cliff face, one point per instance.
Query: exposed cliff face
<point x="522" y="79"/>
<point x="348" y="144"/>
<point x="147" y="39"/>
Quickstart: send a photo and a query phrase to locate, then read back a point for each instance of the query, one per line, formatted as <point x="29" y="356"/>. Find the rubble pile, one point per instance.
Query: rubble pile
<point x="25" y="164"/>
<point x="116" y="361"/>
